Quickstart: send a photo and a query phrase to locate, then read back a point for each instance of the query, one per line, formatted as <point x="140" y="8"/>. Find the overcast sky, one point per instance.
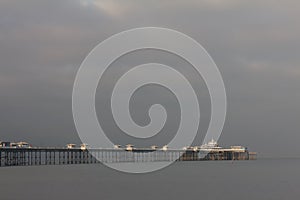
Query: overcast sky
<point x="255" y="44"/>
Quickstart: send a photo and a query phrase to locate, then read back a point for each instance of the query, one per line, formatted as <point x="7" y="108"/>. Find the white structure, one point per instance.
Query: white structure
<point x="165" y="148"/>
<point x="71" y="146"/>
<point x="4" y="144"/>
<point x="154" y="147"/>
<point x="211" y="145"/>
<point x="83" y="147"/>
<point x="117" y="146"/>
<point x="129" y="147"/>
<point x="196" y="148"/>
<point x="14" y="145"/>
<point x="238" y="148"/>
<point x="23" y="145"/>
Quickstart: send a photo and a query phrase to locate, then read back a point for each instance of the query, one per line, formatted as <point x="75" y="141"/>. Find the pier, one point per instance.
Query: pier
<point x="23" y="154"/>
<point x="66" y="156"/>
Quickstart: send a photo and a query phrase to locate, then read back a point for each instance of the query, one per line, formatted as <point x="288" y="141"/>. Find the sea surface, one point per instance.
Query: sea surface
<point x="225" y="180"/>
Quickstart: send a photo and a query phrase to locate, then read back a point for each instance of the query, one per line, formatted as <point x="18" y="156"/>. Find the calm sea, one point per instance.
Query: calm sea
<point x="261" y="179"/>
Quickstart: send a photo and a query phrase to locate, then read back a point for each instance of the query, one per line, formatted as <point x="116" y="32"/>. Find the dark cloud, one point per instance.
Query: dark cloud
<point x="255" y="44"/>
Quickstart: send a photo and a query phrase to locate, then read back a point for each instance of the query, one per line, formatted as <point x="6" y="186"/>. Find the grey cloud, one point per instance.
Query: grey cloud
<point x="255" y="44"/>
